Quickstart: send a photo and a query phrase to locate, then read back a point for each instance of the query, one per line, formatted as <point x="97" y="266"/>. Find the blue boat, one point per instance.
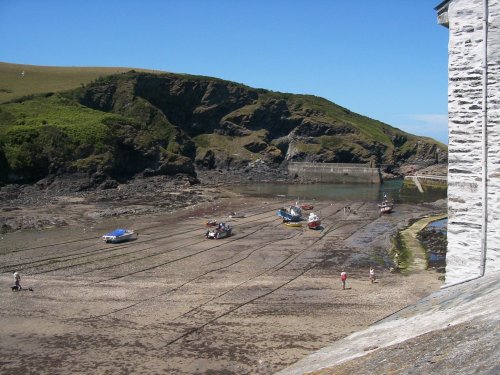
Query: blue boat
<point x="118" y="235"/>
<point x="292" y="213"/>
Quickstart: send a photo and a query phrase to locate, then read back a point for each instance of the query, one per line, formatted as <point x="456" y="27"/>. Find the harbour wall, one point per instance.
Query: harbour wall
<point x="426" y="182"/>
<point x="336" y="172"/>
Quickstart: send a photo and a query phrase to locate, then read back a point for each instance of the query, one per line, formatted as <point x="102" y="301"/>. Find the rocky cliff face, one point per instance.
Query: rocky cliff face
<point x="167" y="124"/>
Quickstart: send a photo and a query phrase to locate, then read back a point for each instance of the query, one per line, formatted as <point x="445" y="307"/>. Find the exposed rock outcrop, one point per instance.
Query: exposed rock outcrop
<point x="164" y="124"/>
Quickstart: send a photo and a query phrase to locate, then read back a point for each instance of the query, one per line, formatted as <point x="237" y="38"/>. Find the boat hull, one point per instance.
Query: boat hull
<point x="314" y="224"/>
<point x="386" y="210"/>
<point x="293" y="225"/>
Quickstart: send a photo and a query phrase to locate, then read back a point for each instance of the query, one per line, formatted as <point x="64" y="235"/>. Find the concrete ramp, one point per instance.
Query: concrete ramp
<point x="417" y="183"/>
<point x="453" y="331"/>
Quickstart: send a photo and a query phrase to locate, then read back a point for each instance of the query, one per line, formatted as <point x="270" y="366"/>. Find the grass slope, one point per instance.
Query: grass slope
<point x="41" y="79"/>
<point x="43" y="127"/>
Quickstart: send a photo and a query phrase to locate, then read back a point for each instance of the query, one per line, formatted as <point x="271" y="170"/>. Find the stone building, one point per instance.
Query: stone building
<point x="474" y="137"/>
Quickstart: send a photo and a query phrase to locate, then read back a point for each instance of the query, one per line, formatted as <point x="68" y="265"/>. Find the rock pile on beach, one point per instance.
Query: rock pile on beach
<point x="32" y="206"/>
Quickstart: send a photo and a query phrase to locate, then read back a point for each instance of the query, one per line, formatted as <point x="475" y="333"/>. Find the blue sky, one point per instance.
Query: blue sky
<point x="385" y="59"/>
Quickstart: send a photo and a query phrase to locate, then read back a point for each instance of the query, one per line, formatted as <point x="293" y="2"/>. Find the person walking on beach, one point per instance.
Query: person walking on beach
<point x="17" y="277"/>
<point x="343" y="278"/>
<point x="372" y="275"/>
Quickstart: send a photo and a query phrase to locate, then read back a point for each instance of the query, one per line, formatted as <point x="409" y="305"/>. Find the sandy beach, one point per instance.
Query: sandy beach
<point x="173" y="302"/>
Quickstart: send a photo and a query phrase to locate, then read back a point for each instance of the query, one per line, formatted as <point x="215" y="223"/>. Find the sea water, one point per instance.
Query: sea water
<point x="395" y="190"/>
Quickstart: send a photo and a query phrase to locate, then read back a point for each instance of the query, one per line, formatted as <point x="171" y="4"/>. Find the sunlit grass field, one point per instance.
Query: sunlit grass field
<point x="42" y="79"/>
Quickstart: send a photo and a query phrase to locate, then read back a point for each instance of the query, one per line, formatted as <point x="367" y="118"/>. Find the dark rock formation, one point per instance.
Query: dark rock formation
<point x="165" y="124"/>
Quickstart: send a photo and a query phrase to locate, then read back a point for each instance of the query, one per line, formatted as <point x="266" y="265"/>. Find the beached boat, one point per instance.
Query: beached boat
<point x="221" y="230"/>
<point x="211" y="223"/>
<point x="313" y="221"/>
<point x="291" y="224"/>
<point x="306" y="206"/>
<point x="236" y="215"/>
<point x="292" y="213"/>
<point x="386" y="205"/>
<point x="119" y="235"/>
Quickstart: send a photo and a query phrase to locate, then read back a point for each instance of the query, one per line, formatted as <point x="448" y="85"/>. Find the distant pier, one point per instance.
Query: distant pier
<point x="336" y="172"/>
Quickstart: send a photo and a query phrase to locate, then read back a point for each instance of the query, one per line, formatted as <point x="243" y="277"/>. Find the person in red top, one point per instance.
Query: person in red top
<point x="343" y="278"/>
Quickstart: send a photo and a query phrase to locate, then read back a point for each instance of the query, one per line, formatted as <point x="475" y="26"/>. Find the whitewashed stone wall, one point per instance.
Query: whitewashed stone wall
<point x="465" y="92"/>
<point x="493" y="254"/>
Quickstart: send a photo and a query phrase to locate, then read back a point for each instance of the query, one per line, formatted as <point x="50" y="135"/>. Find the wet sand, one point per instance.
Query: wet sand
<point x="173" y="302"/>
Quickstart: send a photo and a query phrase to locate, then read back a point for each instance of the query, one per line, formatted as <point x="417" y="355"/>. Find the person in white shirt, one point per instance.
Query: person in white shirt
<point x="372" y="275"/>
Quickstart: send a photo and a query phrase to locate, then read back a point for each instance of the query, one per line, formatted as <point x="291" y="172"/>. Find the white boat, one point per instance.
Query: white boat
<point x="313" y="221"/>
<point x="119" y="235"/>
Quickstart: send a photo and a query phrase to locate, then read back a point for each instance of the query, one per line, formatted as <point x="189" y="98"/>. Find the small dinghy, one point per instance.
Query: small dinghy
<point x="236" y="215"/>
<point x="291" y="224"/>
<point x="119" y="235"/>
<point x="211" y="223"/>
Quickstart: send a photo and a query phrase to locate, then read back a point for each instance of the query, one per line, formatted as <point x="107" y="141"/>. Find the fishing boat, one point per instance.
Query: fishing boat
<point x="119" y="235"/>
<point x="313" y="221"/>
<point x="291" y="214"/>
<point x="386" y="205"/>
<point x="306" y="206"/>
<point x="221" y="230"/>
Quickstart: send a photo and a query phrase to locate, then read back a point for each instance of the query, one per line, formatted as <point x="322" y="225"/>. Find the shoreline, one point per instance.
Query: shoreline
<point x="253" y="303"/>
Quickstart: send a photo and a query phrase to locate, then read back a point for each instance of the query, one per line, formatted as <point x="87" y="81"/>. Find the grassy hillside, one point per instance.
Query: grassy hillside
<point x="42" y="79"/>
<point x="64" y="120"/>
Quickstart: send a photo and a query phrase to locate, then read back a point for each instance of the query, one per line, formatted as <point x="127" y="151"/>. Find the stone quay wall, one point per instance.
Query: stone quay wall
<point x="336" y="172"/>
<point x="465" y="107"/>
